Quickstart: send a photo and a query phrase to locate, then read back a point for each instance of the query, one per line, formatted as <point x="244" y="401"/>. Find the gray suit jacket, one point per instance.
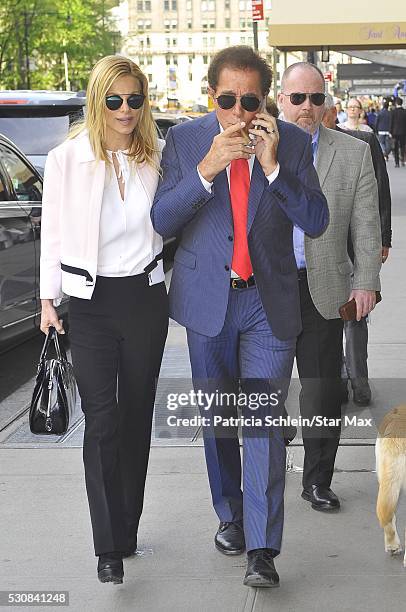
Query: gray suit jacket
<point x="347" y="178"/>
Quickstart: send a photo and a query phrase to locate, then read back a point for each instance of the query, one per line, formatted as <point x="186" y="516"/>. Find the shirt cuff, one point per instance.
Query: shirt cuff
<point x="274" y="174"/>
<point x="205" y="183"/>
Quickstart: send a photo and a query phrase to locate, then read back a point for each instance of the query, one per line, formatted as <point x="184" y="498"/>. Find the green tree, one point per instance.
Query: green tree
<point x="35" y="35"/>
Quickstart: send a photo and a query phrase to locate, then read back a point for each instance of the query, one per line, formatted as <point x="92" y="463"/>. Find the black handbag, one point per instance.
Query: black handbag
<point x="54" y="398"/>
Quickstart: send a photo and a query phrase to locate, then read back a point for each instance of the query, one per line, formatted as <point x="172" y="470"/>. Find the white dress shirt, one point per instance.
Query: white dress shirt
<point x="126" y="234"/>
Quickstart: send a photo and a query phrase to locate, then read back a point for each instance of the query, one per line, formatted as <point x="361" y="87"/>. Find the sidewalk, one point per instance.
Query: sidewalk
<point x="329" y="562"/>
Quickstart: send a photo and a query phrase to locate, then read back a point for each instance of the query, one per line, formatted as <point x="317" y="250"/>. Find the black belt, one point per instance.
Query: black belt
<point x="151" y="266"/>
<point x="240" y="283"/>
<point x="302" y="273"/>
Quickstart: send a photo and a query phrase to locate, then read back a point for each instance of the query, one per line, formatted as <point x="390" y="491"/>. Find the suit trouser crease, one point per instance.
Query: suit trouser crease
<point x="117" y="341"/>
<point x="319" y="359"/>
<point x="246" y="356"/>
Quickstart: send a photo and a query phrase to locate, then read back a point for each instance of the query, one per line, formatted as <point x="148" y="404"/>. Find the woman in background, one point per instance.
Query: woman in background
<point x="354" y="112"/>
<point x="99" y="247"/>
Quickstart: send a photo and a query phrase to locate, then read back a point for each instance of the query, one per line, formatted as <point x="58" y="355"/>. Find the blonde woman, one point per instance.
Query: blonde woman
<point x="99" y="247"/>
<point x="354" y="121"/>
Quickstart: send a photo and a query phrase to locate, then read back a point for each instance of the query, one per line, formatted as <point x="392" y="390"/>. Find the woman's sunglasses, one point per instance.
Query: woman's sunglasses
<point x="298" y="98"/>
<point x="249" y="103"/>
<point x="134" y="101"/>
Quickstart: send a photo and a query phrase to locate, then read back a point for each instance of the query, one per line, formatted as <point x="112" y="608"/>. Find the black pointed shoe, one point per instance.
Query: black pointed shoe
<point x="229" y="538"/>
<point x="110" y="568"/>
<point x="321" y="497"/>
<point x="261" y="570"/>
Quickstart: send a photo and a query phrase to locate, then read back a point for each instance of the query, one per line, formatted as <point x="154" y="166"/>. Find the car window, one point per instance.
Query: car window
<point x="27" y="186"/>
<point x="35" y="135"/>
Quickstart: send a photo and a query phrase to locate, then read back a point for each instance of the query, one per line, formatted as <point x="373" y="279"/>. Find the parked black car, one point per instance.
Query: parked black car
<point x="166" y="120"/>
<point x="37" y="121"/>
<point x="20" y="223"/>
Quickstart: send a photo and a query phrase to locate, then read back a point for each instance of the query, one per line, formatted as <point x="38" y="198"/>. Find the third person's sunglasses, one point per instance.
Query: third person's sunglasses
<point x="298" y="98"/>
<point x="134" y="101"/>
<point x="248" y="102"/>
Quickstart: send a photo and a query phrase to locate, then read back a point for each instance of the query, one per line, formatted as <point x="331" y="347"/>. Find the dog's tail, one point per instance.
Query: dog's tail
<point x="390" y="481"/>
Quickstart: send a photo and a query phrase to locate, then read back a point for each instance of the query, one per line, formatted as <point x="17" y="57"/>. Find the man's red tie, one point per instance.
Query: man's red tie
<point x="239" y="190"/>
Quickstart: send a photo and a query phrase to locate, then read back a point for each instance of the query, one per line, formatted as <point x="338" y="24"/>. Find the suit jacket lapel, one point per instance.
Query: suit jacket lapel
<point x="325" y="154"/>
<point x="257" y="186"/>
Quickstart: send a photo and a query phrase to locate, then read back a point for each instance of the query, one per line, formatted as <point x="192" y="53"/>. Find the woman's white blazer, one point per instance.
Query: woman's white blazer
<point x="71" y="205"/>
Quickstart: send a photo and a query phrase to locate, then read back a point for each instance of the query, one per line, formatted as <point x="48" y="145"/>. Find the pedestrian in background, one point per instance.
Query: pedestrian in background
<point x="383" y="127"/>
<point x="398" y="131"/>
<point x="371" y="117"/>
<point x="355" y="120"/>
<point x="99" y="247"/>
<point x="356" y="332"/>
<point x="341" y="114"/>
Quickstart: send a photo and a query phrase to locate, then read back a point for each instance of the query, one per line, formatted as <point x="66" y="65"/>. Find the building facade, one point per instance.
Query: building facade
<point x="173" y="41"/>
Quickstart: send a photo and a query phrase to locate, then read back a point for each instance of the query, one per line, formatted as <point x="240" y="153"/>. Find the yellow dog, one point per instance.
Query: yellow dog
<point x="390" y="451"/>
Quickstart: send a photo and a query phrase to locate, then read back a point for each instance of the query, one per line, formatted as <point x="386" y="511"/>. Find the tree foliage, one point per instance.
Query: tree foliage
<point x="35" y="35"/>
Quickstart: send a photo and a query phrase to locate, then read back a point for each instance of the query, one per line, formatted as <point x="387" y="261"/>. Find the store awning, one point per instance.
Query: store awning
<point x="337" y="36"/>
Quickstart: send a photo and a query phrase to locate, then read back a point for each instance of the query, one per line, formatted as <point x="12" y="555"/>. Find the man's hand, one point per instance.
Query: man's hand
<point x="365" y="301"/>
<point x="267" y="142"/>
<point x="49" y="318"/>
<point x="385" y="254"/>
<point x="225" y="147"/>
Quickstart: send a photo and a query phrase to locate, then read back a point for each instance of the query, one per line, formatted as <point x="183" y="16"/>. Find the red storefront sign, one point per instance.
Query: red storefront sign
<point x="257" y="10"/>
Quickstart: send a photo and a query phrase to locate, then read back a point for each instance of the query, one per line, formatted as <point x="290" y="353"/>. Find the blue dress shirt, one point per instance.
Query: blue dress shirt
<point x="298" y="234"/>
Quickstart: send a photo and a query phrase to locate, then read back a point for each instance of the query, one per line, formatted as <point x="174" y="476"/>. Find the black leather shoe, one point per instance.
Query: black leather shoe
<point x="362" y="395"/>
<point x="321" y="498"/>
<point x="229" y="539"/>
<point x="261" y="570"/>
<point x="110" y="568"/>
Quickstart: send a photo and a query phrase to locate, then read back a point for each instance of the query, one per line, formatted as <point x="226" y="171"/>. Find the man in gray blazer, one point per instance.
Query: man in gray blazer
<point x="327" y="278"/>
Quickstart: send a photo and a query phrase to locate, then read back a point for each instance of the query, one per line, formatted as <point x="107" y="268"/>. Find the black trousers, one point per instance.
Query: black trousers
<point x="117" y="341"/>
<point x="399" y="148"/>
<point x="318" y="357"/>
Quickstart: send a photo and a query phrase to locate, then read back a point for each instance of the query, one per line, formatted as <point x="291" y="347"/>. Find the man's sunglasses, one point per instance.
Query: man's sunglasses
<point x="249" y="103"/>
<point x="298" y="98"/>
<point x="134" y="101"/>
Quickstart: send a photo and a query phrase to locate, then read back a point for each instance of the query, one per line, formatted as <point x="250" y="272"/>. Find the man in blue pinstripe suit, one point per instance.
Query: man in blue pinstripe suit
<point x="235" y="287"/>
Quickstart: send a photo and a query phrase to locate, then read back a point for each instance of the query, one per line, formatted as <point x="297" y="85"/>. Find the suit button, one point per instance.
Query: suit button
<point x="230" y="238"/>
<point x="226" y="267"/>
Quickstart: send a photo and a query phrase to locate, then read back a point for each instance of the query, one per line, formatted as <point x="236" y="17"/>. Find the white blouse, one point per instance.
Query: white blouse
<point x="362" y="127"/>
<point x="126" y="235"/>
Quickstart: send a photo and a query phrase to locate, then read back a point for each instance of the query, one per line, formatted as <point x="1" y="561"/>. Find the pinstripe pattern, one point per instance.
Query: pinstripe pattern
<point x="246" y="347"/>
<point x="200" y="280"/>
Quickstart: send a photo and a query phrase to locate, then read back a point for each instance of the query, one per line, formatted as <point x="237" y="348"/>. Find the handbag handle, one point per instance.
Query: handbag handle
<point x="59" y="348"/>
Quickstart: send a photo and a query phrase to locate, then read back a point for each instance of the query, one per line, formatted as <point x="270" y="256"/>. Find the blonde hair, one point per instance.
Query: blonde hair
<point x="144" y="143"/>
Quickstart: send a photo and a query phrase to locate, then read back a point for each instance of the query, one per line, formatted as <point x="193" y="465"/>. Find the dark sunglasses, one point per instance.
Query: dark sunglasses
<point x="298" y="98"/>
<point x="134" y="101"/>
<point x="249" y="103"/>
